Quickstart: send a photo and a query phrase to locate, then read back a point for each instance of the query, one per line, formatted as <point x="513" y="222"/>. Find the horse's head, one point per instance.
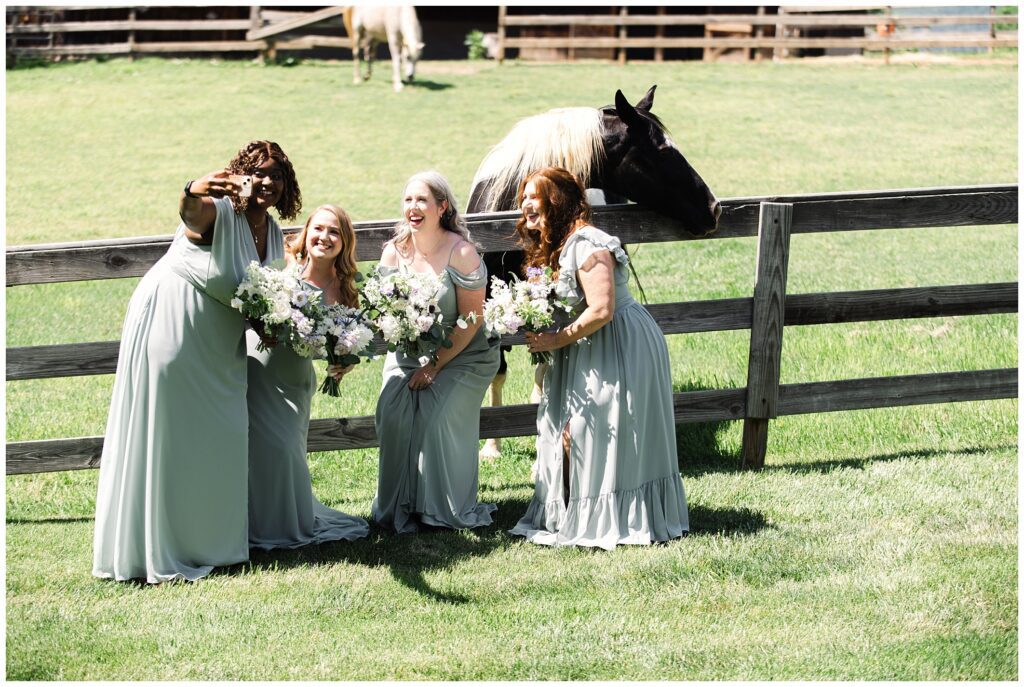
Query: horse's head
<point x="643" y="164"/>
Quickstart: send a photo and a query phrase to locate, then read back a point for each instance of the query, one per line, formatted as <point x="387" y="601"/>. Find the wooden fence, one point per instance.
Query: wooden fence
<point x="42" y="31"/>
<point x="773" y="30"/>
<point x="766" y="313"/>
<point x="880" y="30"/>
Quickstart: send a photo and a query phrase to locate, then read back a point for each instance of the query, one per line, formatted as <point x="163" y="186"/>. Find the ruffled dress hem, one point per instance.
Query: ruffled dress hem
<point x="653" y="512"/>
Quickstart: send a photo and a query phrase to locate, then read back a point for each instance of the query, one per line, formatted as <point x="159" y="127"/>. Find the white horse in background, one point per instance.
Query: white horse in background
<point x="369" y="25"/>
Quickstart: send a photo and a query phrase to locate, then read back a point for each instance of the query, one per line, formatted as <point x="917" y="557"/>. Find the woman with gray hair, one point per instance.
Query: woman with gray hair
<point x="428" y="414"/>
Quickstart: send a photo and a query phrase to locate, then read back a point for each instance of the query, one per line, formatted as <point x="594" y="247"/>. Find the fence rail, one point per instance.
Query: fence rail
<point x="267" y="30"/>
<point x="766" y="313"/>
<point x="889" y="209"/>
<point x="881" y="31"/>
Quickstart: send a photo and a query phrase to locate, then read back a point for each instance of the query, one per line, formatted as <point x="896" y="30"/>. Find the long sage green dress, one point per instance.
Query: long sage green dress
<point x="283" y="513"/>
<point x="614" y="391"/>
<point x="429" y="439"/>
<point x="171" y="502"/>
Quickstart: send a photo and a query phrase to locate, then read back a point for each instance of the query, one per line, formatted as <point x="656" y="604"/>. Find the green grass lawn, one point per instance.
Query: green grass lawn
<point x="876" y="544"/>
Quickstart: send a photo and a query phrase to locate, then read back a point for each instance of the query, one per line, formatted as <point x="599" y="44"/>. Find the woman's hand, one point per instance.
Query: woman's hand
<point x="339" y="371"/>
<point x="538" y="342"/>
<point x="198" y="214"/>
<point x="423" y="377"/>
<point x="269" y="341"/>
<point x="216" y="185"/>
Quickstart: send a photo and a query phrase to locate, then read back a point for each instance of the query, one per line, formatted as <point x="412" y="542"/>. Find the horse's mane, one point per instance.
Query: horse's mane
<point x="568" y="137"/>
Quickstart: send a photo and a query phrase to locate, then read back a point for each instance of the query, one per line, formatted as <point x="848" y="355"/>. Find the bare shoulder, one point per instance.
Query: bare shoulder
<point x="389" y="256"/>
<point x="465" y="258"/>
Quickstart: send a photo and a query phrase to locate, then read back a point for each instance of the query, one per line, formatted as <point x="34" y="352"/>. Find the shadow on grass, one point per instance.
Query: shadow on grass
<point x="410" y="557"/>
<point x="429" y="85"/>
<point x="729" y="522"/>
<point x="699" y="445"/>
<point x="44" y="521"/>
<point x="860" y="463"/>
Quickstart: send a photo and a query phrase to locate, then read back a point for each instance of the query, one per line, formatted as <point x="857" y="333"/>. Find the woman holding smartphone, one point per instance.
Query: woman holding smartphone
<point x="283" y="512"/>
<point x="172" y="497"/>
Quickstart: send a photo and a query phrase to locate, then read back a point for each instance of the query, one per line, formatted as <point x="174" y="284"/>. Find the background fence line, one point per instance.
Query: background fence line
<point x="43" y="32"/>
<point x="766" y="313"/>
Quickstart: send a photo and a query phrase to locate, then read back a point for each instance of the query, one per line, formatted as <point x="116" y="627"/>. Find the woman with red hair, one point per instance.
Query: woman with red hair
<point x="608" y="471"/>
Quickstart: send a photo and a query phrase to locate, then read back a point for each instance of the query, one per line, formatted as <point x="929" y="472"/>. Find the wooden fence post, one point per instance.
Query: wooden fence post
<point x="889" y="30"/>
<point x="659" y="32"/>
<point x="624" y="12"/>
<point x="501" y="33"/>
<point x="131" y="34"/>
<point x="766" y="330"/>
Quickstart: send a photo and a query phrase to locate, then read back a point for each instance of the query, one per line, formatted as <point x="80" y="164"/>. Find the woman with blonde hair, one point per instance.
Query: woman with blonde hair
<point x="283" y="512"/>
<point x="428" y="414"/>
<point x="608" y="473"/>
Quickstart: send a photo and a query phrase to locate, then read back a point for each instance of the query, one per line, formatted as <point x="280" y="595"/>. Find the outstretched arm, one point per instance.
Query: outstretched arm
<point x="196" y="205"/>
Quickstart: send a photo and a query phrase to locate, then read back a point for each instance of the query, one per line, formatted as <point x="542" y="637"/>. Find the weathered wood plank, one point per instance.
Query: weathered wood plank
<point x="90" y="49"/>
<point x="830" y="21"/>
<point x="310" y="42"/>
<point x="583" y="42"/>
<point x="62" y="360"/>
<point x="53" y="455"/>
<point x="812" y="213"/>
<point x="891" y="392"/>
<point x="768" y="310"/>
<point x="130" y="25"/>
<point x="77" y="264"/>
<point x="713" y="405"/>
<point x="904" y="303"/>
<point x="199" y="46"/>
<point x="305" y="19"/>
<point x="726" y="314"/>
<point x="766" y="328"/>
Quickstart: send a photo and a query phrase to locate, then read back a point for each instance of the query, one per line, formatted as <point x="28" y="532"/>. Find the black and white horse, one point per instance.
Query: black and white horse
<point x="621" y="150"/>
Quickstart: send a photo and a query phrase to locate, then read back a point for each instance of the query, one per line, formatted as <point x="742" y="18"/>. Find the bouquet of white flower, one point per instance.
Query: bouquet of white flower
<point x="528" y="304"/>
<point x="403" y="306"/>
<point x="281" y="308"/>
<point x="348" y="338"/>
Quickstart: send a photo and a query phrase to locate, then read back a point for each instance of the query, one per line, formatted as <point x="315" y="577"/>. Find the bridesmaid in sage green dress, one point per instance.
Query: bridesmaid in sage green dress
<point x="283" y="513"/>
<point x="608" y="470"/>
<point x="171" y="502"/>
<point x="428" y="414"/>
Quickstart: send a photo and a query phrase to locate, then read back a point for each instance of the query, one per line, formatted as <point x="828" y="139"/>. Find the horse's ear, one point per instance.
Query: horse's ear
<point x="647" y="102"/>
<point x="625" y="111"/>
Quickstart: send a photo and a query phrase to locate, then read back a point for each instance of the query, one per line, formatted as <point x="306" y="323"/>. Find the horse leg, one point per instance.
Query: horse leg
<point x="492" y="447"/>
<point x="538" y="382"/>
<point x="538" y="389"/>
<point x="357" y="77"/>
<point x="395" y="46"/>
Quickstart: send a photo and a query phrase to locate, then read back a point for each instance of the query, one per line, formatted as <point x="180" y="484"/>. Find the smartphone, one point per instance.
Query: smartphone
<point x="245" y="182"/>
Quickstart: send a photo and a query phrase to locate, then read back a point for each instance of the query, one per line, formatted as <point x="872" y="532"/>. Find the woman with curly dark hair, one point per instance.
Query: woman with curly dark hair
<point x="172" y="497"/>
<point x="608" y="473"/>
